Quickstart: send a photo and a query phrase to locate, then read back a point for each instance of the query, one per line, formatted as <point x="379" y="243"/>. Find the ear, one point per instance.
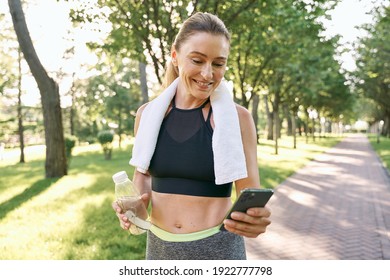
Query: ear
<point x="174" y="55"/>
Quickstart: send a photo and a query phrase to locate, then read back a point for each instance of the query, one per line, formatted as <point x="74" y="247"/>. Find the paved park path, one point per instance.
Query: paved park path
<point x="335" y="208"/>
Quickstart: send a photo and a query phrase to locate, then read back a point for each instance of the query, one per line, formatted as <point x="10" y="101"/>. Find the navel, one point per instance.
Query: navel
<point x="179" y="226"/>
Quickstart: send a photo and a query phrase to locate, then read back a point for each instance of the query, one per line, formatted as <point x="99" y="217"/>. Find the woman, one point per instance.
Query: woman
<point x="184" y="177"/>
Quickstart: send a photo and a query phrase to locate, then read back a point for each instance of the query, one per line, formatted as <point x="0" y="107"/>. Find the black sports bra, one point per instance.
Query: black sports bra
<point x="183" y="162"/>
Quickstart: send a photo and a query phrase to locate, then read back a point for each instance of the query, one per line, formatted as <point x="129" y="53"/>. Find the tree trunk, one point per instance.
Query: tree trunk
<point x="307" y="126"/>
<point x="270" y="122"/>
<point x="294" y="128"/>
<point x="120" y="127"/>
<point x="144" y="85"/>
<point x="255" y="114"/>
<point x="20" y="115"/>
<point x="386" y="124"/>
<point x="72" y="114"/>
<point x="55" y="165"/>
<point x="289" y="120"/>
<point x="277" y="125"/>
<point x="314" y="129"/>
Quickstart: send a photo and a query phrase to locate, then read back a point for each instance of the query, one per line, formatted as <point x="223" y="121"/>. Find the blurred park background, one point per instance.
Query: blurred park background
<point x="74" y="73"/>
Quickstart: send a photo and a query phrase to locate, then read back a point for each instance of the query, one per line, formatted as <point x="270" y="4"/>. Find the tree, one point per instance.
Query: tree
<point x="105" y="138"/>
<point x="269" y="44"/>
<point x="147" y="29"/>
<point x="55" y="165"/>
<point x="20" y="118"/>
<point x="10" y="78"/>
<point x="290" y="33"/>
<point x="269" y="41"/>
<point x="372" y="76"/>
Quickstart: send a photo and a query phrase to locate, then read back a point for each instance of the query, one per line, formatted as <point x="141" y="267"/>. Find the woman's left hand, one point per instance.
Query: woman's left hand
<point x="250" y="224"/>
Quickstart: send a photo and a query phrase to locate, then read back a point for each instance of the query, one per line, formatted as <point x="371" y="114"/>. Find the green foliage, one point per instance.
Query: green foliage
<point x="70" y="142"/>
<point x="277" y="52"/>
<point x="372" y="76"/>
<point x="382" y="148"/>
<point x="8" y="61"/>
<point x="111" y="96"/>
<point x="32" y="125"/>
<point x="105" y="138"/>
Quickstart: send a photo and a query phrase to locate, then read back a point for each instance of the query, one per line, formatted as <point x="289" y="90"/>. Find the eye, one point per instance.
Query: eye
<point x="220" y="64"/>
<point x="196" y="61"/>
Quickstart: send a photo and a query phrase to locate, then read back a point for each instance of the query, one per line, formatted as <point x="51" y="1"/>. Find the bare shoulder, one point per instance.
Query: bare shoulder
<point x="141" y="109"/>
<point x="138" y="117"/>
<point x="244" y="115"/>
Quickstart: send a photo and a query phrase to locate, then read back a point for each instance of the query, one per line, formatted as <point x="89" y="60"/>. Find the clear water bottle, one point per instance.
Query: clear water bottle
<point x="129" y="199"/>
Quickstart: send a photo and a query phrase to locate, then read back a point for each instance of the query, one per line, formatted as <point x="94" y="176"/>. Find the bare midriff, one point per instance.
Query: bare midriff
<point x="186" y="214"/>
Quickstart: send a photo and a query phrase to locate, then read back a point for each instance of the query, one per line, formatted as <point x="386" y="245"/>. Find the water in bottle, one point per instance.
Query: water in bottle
<point x="129" y="199"/>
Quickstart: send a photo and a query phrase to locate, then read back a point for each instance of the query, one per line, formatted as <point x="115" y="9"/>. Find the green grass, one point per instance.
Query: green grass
<point x="67" y="218"/>
<point x="72" y="218"/>
<point x="382" y="149"/>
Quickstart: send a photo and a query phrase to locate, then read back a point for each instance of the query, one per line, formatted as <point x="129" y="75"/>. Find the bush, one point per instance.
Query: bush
<point x="105" y="138"/>
<point x="90" y="139"/>
<point x="70" y="142"/>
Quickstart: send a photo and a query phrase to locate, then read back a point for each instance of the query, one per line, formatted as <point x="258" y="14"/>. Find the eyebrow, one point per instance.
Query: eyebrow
<point x="202" y="54"/>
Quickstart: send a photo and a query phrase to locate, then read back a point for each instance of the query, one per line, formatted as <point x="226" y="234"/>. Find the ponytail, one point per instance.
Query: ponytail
<point x="171" y="74"/>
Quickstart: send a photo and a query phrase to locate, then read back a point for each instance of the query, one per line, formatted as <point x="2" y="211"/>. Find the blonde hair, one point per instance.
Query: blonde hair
<point x="199" y="22"/>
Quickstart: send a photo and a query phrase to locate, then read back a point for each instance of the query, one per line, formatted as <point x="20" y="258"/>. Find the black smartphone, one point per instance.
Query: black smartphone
<point x="249" y="198"/>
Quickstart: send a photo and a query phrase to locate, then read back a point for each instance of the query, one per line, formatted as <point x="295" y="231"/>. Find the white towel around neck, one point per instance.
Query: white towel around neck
<point x="229" y="157"/>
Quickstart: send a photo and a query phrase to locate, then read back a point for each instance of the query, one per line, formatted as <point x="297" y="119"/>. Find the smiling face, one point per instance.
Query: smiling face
<point x="201" y="61"/>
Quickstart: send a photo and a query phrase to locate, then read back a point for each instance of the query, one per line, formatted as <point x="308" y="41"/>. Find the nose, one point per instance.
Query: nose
<point x="207" y="71"/>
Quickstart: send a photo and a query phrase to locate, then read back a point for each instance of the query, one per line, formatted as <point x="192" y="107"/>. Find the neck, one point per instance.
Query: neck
<point x="186" y="101"/>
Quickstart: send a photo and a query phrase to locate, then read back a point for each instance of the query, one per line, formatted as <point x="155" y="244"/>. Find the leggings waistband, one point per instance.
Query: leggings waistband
<point x="183" y="237"/>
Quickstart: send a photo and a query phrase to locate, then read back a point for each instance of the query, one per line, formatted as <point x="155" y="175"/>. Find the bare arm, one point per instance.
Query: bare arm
<point x="249" y="140"/>
<point x="255" y="221"/>
<point x="141" y="181"/>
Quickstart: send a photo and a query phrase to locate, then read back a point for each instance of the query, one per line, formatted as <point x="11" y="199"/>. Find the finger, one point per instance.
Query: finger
<point x="145" y="196"/>
<point x="123" y="218"/>
<point x="245" y="222"/>
<point x="247" y="225"/>
<point x="243" y="217"/>
<point x="116" y="207"/>
<point x="259" y="212"/>
<point x="124" y="221"/>
<point x="125" y="226"/>
<point x="241" y="232"/>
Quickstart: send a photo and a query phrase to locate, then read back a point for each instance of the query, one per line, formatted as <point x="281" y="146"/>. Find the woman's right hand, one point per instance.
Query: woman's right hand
<point x="123" y="220"/>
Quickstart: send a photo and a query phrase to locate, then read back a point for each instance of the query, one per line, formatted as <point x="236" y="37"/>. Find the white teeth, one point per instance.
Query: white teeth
<point x="202" y="84"/>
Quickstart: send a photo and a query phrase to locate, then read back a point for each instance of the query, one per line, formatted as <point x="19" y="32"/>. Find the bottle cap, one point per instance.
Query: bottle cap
<point x="120" y="177"/>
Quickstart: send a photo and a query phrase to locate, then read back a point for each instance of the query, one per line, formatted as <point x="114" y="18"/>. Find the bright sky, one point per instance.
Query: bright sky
<point x="48" y="23"/>
<point x="345" y="18"/>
